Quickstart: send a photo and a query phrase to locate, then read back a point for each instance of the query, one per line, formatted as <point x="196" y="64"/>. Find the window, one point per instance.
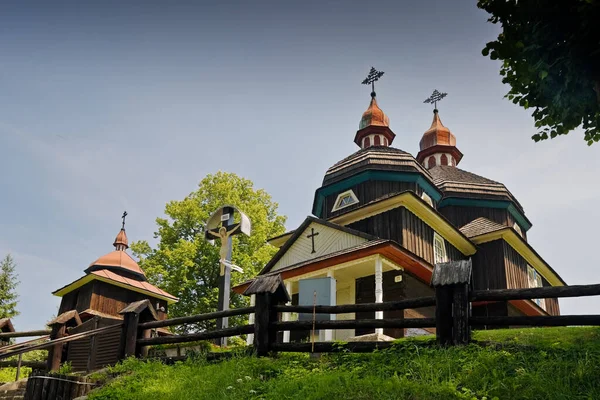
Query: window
<point x="344" y="199"/>
<point x="431" y="162"/>
<point x="439" y="249"/>
<point x="427" y="199"/>
<point x="517" y="228"/>
<point x="535" y="280"/>
<point x="444" y="160"/>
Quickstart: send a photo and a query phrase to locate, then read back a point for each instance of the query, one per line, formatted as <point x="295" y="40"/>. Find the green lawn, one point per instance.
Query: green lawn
<point x="543" y="363"/>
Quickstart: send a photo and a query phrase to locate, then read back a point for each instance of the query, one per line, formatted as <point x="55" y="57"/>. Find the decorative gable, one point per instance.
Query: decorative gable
<point x="316" y="240"/>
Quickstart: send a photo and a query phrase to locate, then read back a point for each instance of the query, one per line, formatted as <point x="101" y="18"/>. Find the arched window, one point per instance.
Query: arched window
<point x="444" y="160"/>
<point x="452" y="161"/>
<point x="367" y="142"/>
<point x="431" y="162"/>
<point x="376" y="141"/>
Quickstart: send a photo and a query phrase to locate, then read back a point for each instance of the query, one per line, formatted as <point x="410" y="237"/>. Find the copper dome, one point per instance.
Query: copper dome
<point x="374" y="116"/>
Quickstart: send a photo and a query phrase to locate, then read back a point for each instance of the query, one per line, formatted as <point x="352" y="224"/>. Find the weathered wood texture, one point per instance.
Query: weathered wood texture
<point x="197" y="318"/>
<point x="461" y="331"/>
<point x="523" y="294"/>
<point x="192" y="337"/>
<point x="443" y="315"/>
<point x="31" y="364"/>
<point x="555" y="320"/>
<point x="8" y="335"/>
<point x="55" y="353"/>
<point x="107" y="299"/>
<point x="462" y="215"/>
<point x="356" y="324"/>
<point x="408" y="230"/>
<point x="516" y="276"/>
<point x="95" y="352"/>
<point x="488" y="266"/>
<point x="350" y="308"/>
<point x="42" y="386"/>
<point x="366" y="192"/>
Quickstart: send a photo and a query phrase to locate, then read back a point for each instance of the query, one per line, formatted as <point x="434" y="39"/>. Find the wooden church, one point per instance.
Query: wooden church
<point x="383" y="218"/>
<point x="111" y="284"/>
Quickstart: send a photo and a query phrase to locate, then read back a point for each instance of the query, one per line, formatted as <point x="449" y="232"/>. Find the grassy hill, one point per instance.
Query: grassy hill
<point x="542" y="363"/>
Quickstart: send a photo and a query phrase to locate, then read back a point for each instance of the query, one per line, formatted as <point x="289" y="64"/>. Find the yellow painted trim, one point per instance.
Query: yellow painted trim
<point x="521" y="247"/>
<point x="88" y="278"/>
<point x="417" y="206"/>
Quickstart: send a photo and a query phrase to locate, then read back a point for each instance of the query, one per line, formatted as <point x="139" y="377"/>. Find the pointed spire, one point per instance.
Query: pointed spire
<point x="438" y="145"/>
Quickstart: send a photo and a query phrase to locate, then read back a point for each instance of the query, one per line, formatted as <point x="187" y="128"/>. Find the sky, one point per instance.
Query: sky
<point x="111" y="106"/>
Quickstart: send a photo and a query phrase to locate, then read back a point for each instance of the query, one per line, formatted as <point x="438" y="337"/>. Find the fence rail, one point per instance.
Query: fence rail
<point x="365" y="307"/>
<point x="355" y="324"/>
<point x="10" y="335"/>
<point x="535" y="293"/>
<point x="196" y="318"/>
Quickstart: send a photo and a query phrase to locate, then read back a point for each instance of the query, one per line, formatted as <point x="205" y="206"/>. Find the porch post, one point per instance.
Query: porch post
<point x="378" y="289"/>
<point x="250" y="337"/>
<point x="286" y="315"/>
<point x="328" y="332"/>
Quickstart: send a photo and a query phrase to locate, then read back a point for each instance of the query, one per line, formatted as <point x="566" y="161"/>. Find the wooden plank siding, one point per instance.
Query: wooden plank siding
<point x="367" y="192"/>
<point x="110" y="299"/>
<point x="408" y="230"/>
<point x="461" y="215"/>
<point x="488" y="266"/>
<point x="516" y="276"/>
<point x="106" y="346"/>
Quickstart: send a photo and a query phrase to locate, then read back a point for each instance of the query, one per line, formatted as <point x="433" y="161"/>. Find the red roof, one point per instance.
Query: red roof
<point x="107" y="274"/>
<point x="119" y="259"/>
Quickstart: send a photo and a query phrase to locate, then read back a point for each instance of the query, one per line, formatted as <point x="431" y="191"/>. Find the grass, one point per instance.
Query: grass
<point x="9" y="374"/>
<point x="543" y="363"/>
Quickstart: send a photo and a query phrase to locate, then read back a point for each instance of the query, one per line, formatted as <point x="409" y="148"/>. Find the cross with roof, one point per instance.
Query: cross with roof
<point x="373" y="77"/>
<point x="435" y="97"/>
<point x="123" y="218"/>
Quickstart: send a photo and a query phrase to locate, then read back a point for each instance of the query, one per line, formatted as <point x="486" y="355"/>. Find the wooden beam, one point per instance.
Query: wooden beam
<point x="535" y="293"/>
<point x="196" y="318"/>
<point x="331" y="347"/>
<point x="191" y="337"/>
<point x="42" y="332"/>
<point x="557" y="320"/>
<point x="350" y="308"/>
<point x="354" y="324"/>
<point x="30" y="364"/>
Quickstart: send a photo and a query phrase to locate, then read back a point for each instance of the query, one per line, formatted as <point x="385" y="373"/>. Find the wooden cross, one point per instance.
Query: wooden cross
<point x="312" y="238"/>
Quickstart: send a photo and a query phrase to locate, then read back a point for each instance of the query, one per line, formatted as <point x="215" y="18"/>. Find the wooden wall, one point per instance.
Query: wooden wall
<point x="105" y="298"/>
<point x="89" y="354"/>
<point x="405" y="228"/>
<point x="110" y="299"/>
<point x="516" y="276"/>
<point x="488" y="266"/>
<point x="462" y="215"/>
<point x="368" y="191"/>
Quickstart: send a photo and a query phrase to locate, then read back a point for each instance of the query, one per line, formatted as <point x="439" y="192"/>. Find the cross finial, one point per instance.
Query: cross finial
<point x="373" y="77"/>
<point x="435" y="97"/>
<point x="123" y="218"/>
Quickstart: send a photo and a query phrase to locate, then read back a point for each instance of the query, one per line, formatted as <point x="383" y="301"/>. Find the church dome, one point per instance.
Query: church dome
<point x="373" y="116"/>
<point x="121" y="240"/>
<point x="438" y="145"/>
<point x="380" y="158"/>
<point x="118" y="260"/>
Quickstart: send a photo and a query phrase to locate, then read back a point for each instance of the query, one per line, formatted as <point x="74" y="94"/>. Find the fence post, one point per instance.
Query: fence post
<point x="461" y="332"/>
<point x="269" y="291"/>
<point x="133" y="314"/>
<point x="59" y="330"/>
<point x="451" y="282"/>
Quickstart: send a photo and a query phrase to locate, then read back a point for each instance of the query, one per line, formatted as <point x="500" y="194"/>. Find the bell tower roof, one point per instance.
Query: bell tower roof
<point x="374" y="128"/>
<point x="438" y="144"/>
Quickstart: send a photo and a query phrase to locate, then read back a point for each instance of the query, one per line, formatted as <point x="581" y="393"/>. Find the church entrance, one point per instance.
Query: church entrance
<point x="393" y="290"/>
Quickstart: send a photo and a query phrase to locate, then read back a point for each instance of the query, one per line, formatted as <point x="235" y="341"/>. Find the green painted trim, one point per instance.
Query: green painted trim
<point x="365" y="176"/>
<point x="503" y="204"/>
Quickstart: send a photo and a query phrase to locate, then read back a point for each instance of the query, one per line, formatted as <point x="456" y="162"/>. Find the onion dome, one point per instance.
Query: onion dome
<point x="119" y="261"/>
<point x="438" y="145"/>
<point x="121" y="242"/>
<point x="374" y="128"/>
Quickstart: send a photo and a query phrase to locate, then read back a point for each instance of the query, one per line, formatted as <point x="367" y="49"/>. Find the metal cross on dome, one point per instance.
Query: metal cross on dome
<point x="435" y="97"/>
<point x="373" y="77"/>
<point x="123" y="217"/>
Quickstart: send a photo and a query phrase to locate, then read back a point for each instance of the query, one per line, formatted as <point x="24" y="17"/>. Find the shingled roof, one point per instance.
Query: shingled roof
<point x="380" y="158"/>
<point x="455" y="182"/>
<point x="480" y="226"/>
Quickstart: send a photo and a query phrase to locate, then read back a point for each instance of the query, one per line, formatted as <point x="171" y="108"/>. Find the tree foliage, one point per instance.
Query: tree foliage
<point x="186" y="265"/>
<point x="8" y="288"/>
<point x="550" y="53"/>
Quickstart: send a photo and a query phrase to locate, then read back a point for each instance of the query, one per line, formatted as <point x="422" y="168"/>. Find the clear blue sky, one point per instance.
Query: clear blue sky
<point x="106" y="106"/>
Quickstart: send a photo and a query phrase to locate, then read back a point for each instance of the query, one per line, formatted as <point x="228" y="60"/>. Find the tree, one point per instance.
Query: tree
<point x="550" y="56"/>
<point x="8" y="285"/>
<point x="186" y="265"/>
